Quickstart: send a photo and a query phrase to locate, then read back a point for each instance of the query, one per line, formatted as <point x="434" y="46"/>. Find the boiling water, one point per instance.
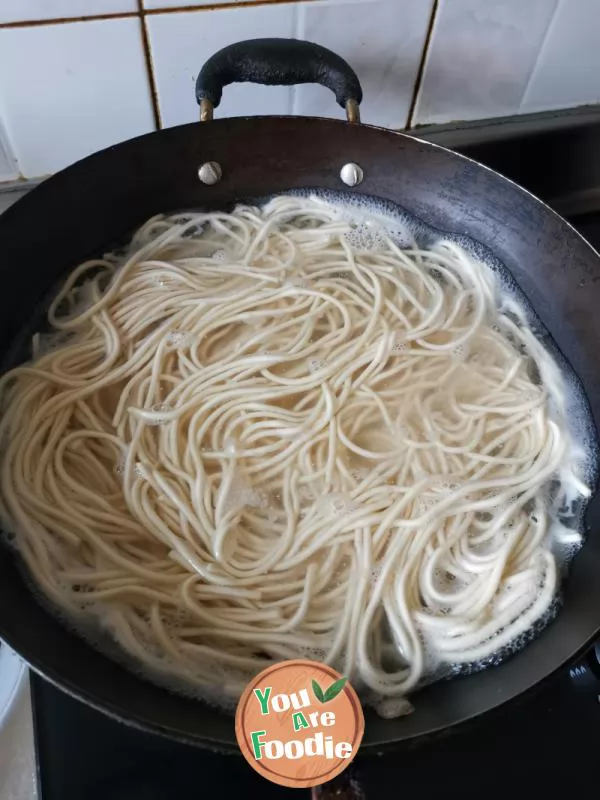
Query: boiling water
<point x="371" y="221"/>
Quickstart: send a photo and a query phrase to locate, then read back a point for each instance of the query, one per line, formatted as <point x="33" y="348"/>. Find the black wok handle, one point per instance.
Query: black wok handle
<point x="277" y="62"/>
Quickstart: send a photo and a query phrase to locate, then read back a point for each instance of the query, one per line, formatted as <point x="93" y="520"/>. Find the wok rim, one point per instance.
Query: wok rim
<point x="119" y="711"/>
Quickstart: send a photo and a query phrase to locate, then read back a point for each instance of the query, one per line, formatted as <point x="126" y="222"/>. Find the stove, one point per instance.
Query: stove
<point x="548" y="737"/>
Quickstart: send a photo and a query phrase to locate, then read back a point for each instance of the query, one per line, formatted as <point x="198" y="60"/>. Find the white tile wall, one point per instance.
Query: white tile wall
<point x="567" y="72"/>
<point x="381" y="39"/>
<point x="68" y="90"/>
<point x="481" y="57"/>
<point x="21" y="10"/>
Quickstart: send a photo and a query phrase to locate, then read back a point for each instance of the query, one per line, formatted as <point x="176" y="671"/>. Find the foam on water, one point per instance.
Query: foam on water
<point x="368" y="214"/>
<point x="392" y="707"/>
<point x="372" y="221"/>
<point x="94" y="624"/>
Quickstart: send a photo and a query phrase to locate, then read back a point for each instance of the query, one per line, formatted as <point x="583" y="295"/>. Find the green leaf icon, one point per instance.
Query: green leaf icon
<point x="334" y="690"/>
<point x="318" y="692"/>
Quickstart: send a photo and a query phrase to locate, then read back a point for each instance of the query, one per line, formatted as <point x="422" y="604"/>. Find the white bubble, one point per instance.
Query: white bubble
<point x="160" y="412"/>
<point x="375" y="574"/>
<point x="175" y="339"/>
<point x="256" y="498"/>
<point x="337" y="503"/>
<point x="393" y="707"/>
<point x="230" y="447"/>
<point x="315" y="364"/>
<point x="459" y="352"/>
<point x="297" y="282"/>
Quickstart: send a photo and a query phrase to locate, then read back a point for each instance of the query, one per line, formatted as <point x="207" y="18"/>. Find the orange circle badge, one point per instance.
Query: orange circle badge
<point x="299" y="723"/>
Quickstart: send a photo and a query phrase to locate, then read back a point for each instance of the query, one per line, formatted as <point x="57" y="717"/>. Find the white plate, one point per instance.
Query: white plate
<point x="12" y="677"/>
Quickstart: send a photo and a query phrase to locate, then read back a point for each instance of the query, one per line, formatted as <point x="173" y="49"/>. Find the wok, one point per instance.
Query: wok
<point x="99" y="200"/>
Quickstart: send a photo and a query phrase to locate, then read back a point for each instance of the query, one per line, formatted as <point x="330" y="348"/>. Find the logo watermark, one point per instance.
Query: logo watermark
<point x="299" y="723"/>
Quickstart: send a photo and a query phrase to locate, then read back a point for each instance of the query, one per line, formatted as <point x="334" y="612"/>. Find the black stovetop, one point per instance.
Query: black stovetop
<point x="548" y="738"/>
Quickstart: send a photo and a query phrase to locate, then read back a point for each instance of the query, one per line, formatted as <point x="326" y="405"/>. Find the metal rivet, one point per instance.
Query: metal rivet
<point x="351" y="174"/>
<point x="210" y="173"/>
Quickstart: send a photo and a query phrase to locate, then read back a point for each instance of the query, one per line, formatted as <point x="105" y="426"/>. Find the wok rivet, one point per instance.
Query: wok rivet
<point x="351" y="174"/>
<point x="210" y="173"/>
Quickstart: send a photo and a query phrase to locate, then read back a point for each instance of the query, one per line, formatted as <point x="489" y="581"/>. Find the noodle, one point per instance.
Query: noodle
<point x="275" y="434"/>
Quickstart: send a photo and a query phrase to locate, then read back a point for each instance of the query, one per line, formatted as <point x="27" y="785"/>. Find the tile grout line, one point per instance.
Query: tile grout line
<point x="218" y="6"/>
<point x="421" y="70"/>
<point x="534" y="67"/>
<point x="37" y="23"/>
<point x="149" y="66"/>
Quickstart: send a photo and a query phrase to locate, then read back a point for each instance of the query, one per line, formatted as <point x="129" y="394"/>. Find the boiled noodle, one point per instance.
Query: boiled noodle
<point x="279" y="433"/>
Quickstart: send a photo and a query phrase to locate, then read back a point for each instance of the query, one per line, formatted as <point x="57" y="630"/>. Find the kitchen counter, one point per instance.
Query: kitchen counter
<point x="17" y="752"/>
